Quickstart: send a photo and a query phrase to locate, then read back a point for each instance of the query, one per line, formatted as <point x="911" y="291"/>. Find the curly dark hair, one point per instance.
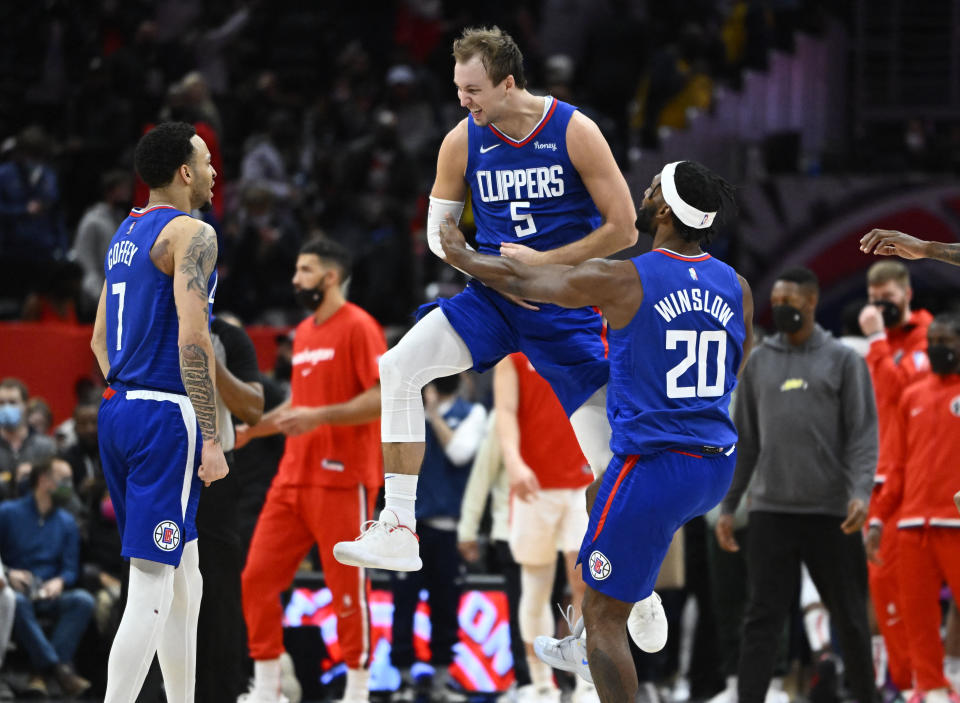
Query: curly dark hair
<point x="706" y="191"/>
<point x="161" y="151"/>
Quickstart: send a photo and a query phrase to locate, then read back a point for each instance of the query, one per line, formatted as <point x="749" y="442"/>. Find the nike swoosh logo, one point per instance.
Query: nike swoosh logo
<point x="485" y="149"/>
<point x="584" y="662"/>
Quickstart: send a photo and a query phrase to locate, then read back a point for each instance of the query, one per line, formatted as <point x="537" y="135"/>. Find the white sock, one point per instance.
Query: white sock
<point x="177" y="650"/>
<point x="879" y="647"/>
<point x="951" y="670"/>
<point x="266" y="676"/>
<point x="358" y="685"/>
<point x="400" y="495"/>
<point x="816" y="622"/>
<point x="149" y="598"/>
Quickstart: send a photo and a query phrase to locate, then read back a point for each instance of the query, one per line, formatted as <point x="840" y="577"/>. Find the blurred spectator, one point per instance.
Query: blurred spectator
<point x="56" y="297"/>
<point x="416" y="121"/>
<point x="84" y="454"/>
<point x="189" y="100"/>
<point x="488" y="477"/>
<point x="454" y="432"/>
<point x="97" y="227"/>
<point x="548" y="475"/>
<point x="39" y="416"/>
<point x="40" y="544"/>
<point x="679" y="78"/>
<point x="267" y="157"/>
<point x="32" y="235"/>
<point x="19" y="444"/>
<point x="263" y="241"/>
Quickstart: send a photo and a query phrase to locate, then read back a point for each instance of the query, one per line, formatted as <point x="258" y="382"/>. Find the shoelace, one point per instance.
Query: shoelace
<point x="371" y="525"/>
<point x="575" y="628"/>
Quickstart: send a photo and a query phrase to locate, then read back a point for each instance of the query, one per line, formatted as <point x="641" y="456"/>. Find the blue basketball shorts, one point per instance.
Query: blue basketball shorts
<point x="641" y="503"/>
<point x="150" y="447"/>
<point x="567" y="347"/>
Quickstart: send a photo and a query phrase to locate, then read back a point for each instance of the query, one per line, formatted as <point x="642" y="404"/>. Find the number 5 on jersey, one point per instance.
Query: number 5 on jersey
<point x="530" y="227"/>
<point x="697" y="352"/>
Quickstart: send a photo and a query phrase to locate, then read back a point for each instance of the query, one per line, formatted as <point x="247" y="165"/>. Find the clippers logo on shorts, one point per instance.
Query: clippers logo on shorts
<point x="166" y="536"/>
<point x="599" y="566"/>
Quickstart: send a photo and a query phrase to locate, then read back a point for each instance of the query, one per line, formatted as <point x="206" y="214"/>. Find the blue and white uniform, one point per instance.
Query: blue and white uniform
<point x="672" y="369"/>
<point x="529" y="192"/>
<point x="150" y="440"/>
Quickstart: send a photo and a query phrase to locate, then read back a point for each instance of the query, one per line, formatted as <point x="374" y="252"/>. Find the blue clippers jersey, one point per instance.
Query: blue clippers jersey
<point x="527" y="191"/>
<point x="672" y="368"/>
<point x="142" y="325"/>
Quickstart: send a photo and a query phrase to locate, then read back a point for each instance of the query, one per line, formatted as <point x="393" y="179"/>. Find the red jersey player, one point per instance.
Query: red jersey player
<point x="328" y="478"/>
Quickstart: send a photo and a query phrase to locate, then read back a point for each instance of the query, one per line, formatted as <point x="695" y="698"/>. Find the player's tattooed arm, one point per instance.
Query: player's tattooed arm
<point x="195" y="255"/>
<point x="195" y="372"/>
<point x="198" y="261"/>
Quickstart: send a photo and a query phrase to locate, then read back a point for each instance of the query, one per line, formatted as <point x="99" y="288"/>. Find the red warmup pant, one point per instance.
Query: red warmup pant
<point x="885" y="594"/>
<point x="292" y="519"/>
<point x="928" y="557"/>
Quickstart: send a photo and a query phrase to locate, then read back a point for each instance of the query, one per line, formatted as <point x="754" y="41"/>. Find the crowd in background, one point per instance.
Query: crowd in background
<point x="319" y="119"/>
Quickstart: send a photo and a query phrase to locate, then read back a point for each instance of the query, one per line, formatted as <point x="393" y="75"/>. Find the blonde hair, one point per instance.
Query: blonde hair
<point x="884" y="271"/>
<point x="498" y="53"/>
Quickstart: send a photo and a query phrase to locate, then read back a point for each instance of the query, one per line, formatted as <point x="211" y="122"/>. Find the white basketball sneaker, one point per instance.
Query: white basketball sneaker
<point x="568" y="653"/>
<point x="382" y="544"/>
<point x="647" y="624"/>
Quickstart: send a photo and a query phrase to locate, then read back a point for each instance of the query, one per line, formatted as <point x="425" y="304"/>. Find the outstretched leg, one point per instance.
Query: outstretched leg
<point x="430" y="350"/>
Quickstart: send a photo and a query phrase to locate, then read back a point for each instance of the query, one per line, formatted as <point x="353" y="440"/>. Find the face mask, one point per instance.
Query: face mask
<point x="787" y="319"/>
<point x="891" y="313"/>
<point x="645" y="221"/>
<point x="10" y="415"/>
<point x="310" y="298"/>
<point x="62" y="493"/>
<point x="943" y="359"/>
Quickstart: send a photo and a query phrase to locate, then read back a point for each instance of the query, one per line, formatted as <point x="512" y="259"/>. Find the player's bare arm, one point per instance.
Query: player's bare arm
<point x="362" y="408"/>
<point x="243" y="399"/>
<point x="99" y="340"/>
<point x="192" y="247"/>
<point x="452" y="165"/>
<point x="591" y="156"/>
<point x="506" y="402"/>
<point x="747" y="320"/>
<point x="613" y="286"/>
<point x="889" y="242"/>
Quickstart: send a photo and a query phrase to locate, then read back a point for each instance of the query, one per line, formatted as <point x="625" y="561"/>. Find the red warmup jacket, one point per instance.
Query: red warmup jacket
<point x="920" y="465"/>
<point x="895" y="359"/>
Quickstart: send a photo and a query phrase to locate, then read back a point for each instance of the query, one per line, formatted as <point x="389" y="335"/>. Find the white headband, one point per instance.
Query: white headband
<point x="687" y="213"/>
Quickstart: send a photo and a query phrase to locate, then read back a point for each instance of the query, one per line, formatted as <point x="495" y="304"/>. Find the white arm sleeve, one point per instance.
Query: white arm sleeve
<point x="439" y="208"/>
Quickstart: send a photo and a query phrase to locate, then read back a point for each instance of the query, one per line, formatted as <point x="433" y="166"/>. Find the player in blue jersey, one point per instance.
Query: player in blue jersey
<point x="158" y="420"/>
<point x="546" y="189"/>
<point x="680" y="329"/>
